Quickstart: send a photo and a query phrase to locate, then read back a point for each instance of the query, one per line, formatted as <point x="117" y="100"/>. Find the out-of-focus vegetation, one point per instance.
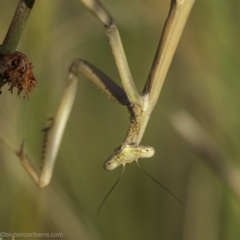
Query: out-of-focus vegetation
<point x="203" y="81"/>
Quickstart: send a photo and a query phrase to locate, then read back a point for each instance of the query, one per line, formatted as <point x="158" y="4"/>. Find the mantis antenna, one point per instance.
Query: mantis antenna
<point x="105" y="198"/>
<point x="114" y="185"/>
<point x="139" y="106"/>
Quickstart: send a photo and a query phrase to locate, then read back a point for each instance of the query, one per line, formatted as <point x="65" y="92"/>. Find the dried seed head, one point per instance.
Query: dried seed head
<point x="17" y="72"/>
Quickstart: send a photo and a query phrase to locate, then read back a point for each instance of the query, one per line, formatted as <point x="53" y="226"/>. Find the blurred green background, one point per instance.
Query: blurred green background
<point x="203" y="81"/>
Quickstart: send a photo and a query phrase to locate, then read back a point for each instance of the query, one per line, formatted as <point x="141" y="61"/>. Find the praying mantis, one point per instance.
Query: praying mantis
<point x="140" y="106"/>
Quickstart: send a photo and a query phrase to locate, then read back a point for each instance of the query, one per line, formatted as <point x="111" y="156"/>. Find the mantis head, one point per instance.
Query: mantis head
<point x="127" y="154"/>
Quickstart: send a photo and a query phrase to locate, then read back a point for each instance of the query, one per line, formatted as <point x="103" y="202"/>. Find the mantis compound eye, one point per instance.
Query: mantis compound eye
<point x="110" y="164"/>
<point x="146" y="152"/>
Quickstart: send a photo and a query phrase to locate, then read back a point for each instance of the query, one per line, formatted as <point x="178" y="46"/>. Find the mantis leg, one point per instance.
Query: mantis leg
<point x="173" y="28"/>
<point x="102" y="81"/>
<point x="177" y="17"/>
<point x="55" y="131"/>
<point x="112" y="32"/>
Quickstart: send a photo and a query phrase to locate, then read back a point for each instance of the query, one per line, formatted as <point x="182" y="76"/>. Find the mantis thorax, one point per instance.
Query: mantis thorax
<point x="129" y="151"/>
<point x="135" y="111"/>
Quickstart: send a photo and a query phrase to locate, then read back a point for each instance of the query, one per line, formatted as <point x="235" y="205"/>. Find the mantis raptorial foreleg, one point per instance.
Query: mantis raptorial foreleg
<point x="139" y="106"/>
<point x="55" y="131"/>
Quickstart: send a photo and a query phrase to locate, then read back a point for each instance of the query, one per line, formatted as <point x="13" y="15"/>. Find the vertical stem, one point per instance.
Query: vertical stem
<point x="16" y="28"/>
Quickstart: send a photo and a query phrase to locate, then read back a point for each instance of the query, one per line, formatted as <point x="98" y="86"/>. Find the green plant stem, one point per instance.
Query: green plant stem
<point x="16" y="28"/>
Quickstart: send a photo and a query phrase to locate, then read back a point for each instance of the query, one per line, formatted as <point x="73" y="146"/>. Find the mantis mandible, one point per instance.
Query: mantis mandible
<point x="139" y="106"/>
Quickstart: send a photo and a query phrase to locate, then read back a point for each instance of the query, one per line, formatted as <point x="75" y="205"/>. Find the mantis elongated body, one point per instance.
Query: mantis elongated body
<point x="139" y="106"/>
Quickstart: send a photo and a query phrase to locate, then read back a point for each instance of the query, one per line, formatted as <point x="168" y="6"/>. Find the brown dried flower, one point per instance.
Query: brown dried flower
<point x="17" y="72"/>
